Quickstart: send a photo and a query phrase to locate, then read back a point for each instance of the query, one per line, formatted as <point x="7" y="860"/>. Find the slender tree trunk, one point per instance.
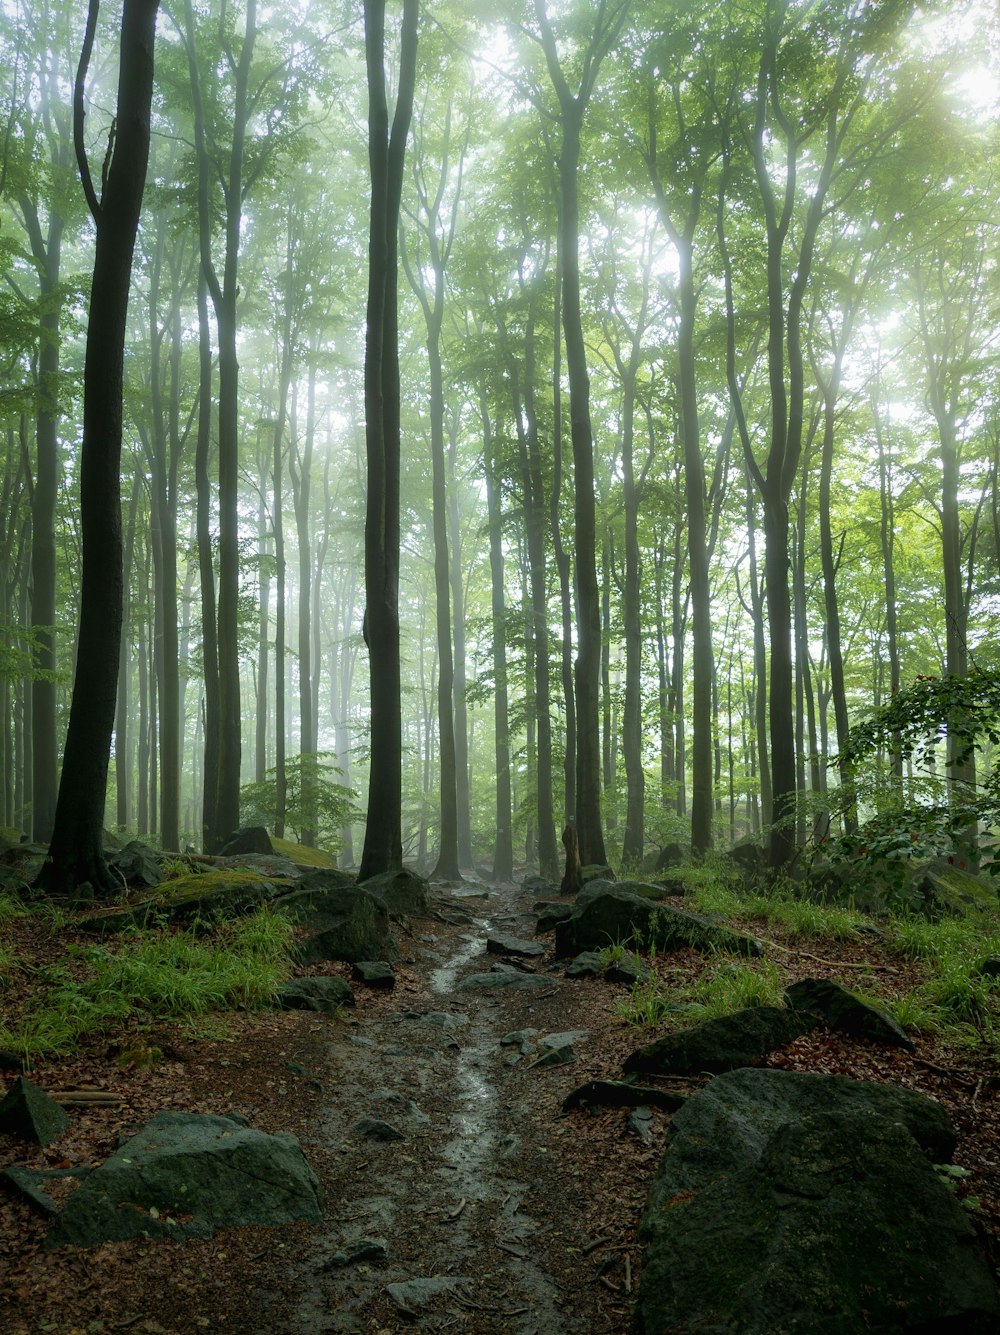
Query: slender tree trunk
<point x="503" y="850"/>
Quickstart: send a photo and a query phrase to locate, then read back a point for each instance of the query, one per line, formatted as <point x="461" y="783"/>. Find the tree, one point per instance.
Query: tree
<point x="607" y="25"/>
<point x="75" y="853"/>
<point x="386" y="154"/>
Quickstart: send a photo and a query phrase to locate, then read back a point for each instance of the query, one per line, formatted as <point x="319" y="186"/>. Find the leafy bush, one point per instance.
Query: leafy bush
<point x="314" y="800"/>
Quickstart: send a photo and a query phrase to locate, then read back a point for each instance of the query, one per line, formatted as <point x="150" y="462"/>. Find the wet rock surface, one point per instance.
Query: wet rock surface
<point x="835" y="1220"/>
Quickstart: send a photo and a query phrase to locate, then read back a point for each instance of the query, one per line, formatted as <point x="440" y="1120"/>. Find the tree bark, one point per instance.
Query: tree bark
<point x="76" y="854"/>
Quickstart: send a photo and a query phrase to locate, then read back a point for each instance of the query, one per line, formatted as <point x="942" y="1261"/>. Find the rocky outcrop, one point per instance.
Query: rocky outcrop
<point x="720" y="1045"/>
<point x="341" y="922"/>
<point x="185" y="1175"/>
<point x="788" y="1202"/>
<point x="616" y="917"/>
<point x="28" y="1112"/>
<point x="849" y="1014"/>
<point x="401" y="892"/>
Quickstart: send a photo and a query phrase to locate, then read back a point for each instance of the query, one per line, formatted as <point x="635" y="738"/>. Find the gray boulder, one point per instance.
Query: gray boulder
<point x="600" y="886"/>
<point x="726" y="1125"/>
<point x="845" y="1012"/>
<point x="185" y="1175"/>
<point x="324" y="994"/>
<point x="401" y="892"/>
<point x="839" y="1225"/>
<point x="513" y="979"/>
<point x="723" y="1044"/>
<point x="616" y="917"/>
<point x="342" y="922"/>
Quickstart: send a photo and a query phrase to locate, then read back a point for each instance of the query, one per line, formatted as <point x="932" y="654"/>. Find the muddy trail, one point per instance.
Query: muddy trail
<point x="450" y="1203"/>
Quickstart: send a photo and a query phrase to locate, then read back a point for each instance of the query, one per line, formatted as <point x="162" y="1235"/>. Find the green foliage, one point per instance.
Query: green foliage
<point x="734" y="987"/>
<point x="152" y="975"/>
<point x="313" y="800"/>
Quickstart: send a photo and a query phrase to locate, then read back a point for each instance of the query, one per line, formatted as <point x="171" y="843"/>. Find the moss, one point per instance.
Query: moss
<point x="302" y="854"/>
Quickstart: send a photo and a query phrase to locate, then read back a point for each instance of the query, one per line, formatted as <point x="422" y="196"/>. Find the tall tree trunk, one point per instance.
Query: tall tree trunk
<point x="503" y="849"/>
<point x="75" y="853"/>
<point x="383" y="831"/>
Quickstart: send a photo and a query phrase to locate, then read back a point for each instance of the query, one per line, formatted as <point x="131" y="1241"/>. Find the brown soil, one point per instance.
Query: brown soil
<point x="491" y="1183"/>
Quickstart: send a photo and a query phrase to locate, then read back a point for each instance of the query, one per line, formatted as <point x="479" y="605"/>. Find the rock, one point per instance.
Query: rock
<point x="620" y="1094"/>
<point x="374" y="1128"/>
<point x="186" y="1174"/>
<point x="725" y="1126"/>
<point x="28" y="1112"/>
<point x="600" y="886"/>
<point x="137" y="863"/>
<point x="29" y="1183"/>
<point x="587" y="964"/>
<point x="522" y="1039"/>
<point x="670" y="855"/>
<point x="540" y="886"/>
<point x="342" y="922"/>
<point x="550" y="916"/>
<point x="839" y="1224"/>
<point x="413" y="1294"/>
<point x="845" y="1012"/>
<point x="249" y="839"/>
<point x="201" y="897"/>
<point x="628" y="969"/>
<point x="324" y="994"/>
<point x="373" y="973"/>
<point x="303" y="855"/>
<point x="10" y="1061"/>
<point x="508" y="978"/>
<point x="640" y="1123"/>
<point x="613" y="916"/>
<point x="596" y="872"/>
<point x="401" y="892"/>
<point x="945" y="891"/>
<point x="723" y="1044"/>
<point x="749" y="857"/>
<point x="373" y="1250"/>
<point x="989" y="967"/>
<point x="557" y="1049"/>
<point x="498" y="943"/>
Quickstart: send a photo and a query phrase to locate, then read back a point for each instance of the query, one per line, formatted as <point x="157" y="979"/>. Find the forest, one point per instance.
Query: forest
<point x="499" y="690"/>
<point x="683" y="463"/>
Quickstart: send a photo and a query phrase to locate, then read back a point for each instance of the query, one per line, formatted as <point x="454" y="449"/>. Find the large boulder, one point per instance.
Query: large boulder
<point x="341" y="922"/>
<point x="248" y="839"/>
<point x="849" y="1014"/>
<point x="615" y="917"/>
<point x="602" y="886"/>
<point x="835" y="1223"/>
<point x="941" y="890"/>
<point x="401" y="892"/>
<point x="201" y="897"/>
<point x="727" y="1124"/>
<point x="186" y="1174"/>
<point x="724" y="1044"/>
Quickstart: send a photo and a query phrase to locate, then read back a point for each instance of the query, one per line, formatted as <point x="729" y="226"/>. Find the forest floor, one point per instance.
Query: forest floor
<point x="491" y="1183"/>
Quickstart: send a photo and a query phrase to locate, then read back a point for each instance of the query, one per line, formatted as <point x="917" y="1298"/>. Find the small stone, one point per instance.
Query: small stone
<point x="27" y="1111"/>
<point x="324" y="994"/>
<point x="373" y="973"/>
<point x="375" y="1250"/>
<point x="640" y="1123"/>
<point x="375" y="1129"/>
<point x="586" y="965"/>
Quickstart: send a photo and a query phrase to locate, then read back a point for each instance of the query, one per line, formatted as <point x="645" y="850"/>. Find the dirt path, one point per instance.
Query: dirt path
<point x="473" y="1190"/>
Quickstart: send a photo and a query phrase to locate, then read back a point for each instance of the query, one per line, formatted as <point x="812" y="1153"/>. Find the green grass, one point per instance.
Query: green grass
<point x="153" y="976"/>
<point x="725" y="987"/>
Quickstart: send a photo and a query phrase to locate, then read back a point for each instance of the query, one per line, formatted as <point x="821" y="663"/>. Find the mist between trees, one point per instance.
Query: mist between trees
<point x="550" y="412"/>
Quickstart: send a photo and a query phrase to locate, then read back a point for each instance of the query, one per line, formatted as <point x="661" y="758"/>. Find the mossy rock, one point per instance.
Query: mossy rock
<point x="946" y="891"/>
<point x="208" y="896"/>
<point x="301" y="854"/>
